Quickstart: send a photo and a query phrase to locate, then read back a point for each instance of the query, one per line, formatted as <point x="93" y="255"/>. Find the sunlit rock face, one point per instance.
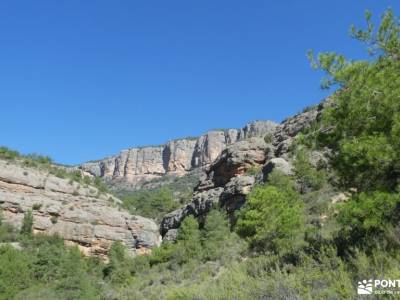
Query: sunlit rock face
<point x="80" y="214"/>
<point x="260" y="148"/>
<point x="136" y="166"/>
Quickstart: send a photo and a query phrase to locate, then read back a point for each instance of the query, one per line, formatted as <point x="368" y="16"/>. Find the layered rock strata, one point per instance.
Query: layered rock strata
<point x="80" y="214"/>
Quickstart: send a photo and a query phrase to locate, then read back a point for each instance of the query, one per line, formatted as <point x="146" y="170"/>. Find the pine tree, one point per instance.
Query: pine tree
<point x="27" y="223"/>
<point x="216" y="234"/>
<point x="188" y="241"/>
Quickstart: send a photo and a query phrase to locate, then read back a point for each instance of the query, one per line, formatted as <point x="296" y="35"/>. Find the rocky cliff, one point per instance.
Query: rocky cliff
<point x="136" y="166"/>
<point x="228" y="179"/>
<point x="230" y="161"/>
<point x="80" y="214"/>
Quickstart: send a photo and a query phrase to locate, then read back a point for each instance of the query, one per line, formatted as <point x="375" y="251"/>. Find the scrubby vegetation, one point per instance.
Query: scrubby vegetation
<point x="150" y="203"/>
<point x="159" y="196"/>
<point x="290" y="240"/>
<point x="46" y="163"/>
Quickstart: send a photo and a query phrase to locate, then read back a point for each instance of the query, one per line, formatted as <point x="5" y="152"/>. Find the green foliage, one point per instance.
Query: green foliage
<point x="27" y="223"/>
<point x="368" y="216"/>
<point x="117" y="270"/>
<point x="15" y="272"/>
<point x="216" y="231"/>
<point x="162" y="254"/>
<point x="40" y="159"/>
<point x="365" y="118"/>
<point x="99" y="183"/>
<point x="32" y="159"/>
<point x="307" y="176"/>
<point x="36" y="206"/>
<point x="280" y="180"/>
<point x="367" y="162"/>
<point x="8" y="154"/>
<point x="217" y="239"/>
<point x="189" y="237"/>
<point x="44" y="268"/>
<point x="47" y="164"/>
<point x="150" y="203"/>
<point x="47" y="259"/>
<point x="268" y="138"/>
<point x="159" y="196"/>
<point x="253" y="171"/>
<point x="7" y="232"/>
<point x="272" y="219"/>
<point x="73" y="282"/>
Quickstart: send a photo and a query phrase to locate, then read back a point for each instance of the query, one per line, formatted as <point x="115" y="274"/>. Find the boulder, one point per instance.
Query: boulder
<point x="237" y="159"/>
<point x="279" y="164"/>
<point x="234" y="193"/>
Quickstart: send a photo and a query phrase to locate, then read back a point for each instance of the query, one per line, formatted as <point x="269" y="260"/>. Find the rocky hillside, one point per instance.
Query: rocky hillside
<point x="79" y="213"/>
<point x="229" y="163"/>
<point x="229" y="178"/>
<point x="136" y="166"/>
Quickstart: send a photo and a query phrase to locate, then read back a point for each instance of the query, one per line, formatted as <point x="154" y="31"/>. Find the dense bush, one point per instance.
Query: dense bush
<point x="306" y="175"/>
<point x="365" y="118"/>
<point x="368" y="218"/>
<point x="8" y="154"/>
<point x="45" y="268"/>
<point x="150" y="203"/>
<point x="27" y="223"/>
<point x="272" y="218"/>
<point x="15" y="272"/>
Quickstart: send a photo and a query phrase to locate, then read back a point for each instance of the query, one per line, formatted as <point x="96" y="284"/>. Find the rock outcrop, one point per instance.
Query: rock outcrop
<point x="137" y="166"/>
<point x="80" y="214"/>
<point x="237" y="168"/>
<point x="225" y="182"/>
<point x="279" y="164"/>
<point x="289" y="128"/>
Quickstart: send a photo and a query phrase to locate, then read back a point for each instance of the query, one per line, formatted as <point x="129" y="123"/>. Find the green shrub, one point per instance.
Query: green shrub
<point x="36" y="206"/>
<point x="150" y="203"/>
<point x="254" y="170"/>
<point x="188" y="241"/>
<point x="365" y="117"/>
<point x="217" y="239"/>
<point x="368" y="216"/>
<point x="307" y="176"/>
<point x="15" y="272"/>
<point x="268" y="138"/>
<point x="272" y="219"/>
<point x="117" y="271"/>
<point x="40" y="159"/>
<point x="8" y="154"/>
<point x="27" y="223"/>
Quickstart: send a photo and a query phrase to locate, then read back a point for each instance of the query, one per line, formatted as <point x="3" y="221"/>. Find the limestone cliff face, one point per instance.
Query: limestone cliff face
<point x="79" y="214"/>
<point x="139" y="165"/>
<point x="231" y="176"/>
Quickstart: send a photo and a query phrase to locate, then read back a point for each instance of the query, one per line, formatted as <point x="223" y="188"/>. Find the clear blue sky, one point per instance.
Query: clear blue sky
<point x="81" y="80"/>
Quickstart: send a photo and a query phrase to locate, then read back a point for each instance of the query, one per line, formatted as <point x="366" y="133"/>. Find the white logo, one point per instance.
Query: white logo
<point x="364" y="287"/>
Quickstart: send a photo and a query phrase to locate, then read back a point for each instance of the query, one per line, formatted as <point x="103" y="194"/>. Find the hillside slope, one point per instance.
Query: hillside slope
<point x="80" y="213"/>
<point x="227" y="181"/>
